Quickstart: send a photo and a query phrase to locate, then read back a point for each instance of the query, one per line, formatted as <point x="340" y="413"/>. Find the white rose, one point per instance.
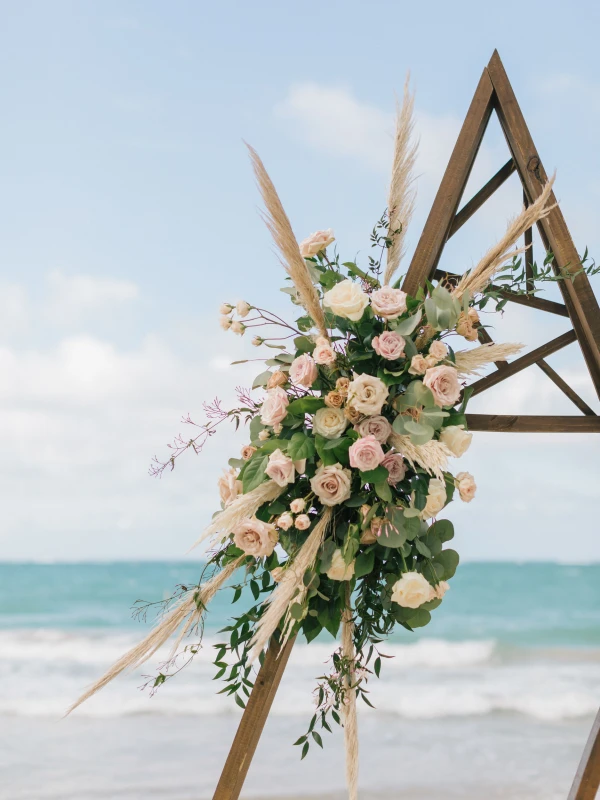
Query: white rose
<point x="367" y="394"/>
<point x="339" y="570"/>
<point x="436" y="498"/>
<point x="329" y="422"/>
<point x="456" y="439"/>
<point x="347" y="300"/>
<point x="412" y="590"/>
<point x="465" y="483"/>
<point x="316" y="242"/>
<point x="332" y="484"/>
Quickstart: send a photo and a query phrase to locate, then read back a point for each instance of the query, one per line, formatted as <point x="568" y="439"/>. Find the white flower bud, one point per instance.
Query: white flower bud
<point x="225" y="322"/>
<point x="238" y="327"/>
<point x="243" y="308"/>
<point x="257" y="341"/>
<point x="225" y="308"/>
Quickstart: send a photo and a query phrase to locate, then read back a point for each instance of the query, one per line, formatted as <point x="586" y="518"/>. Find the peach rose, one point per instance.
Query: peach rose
<point x="331" y="484"/>
<point x="339" y="570"/>
<point x="436" y="498"/>
<point x="255" y="538"/>
<point x="324" y="353"/>
<point x="456" y="439"/>
<point x="278" y="378"/>
<point x="274" y="407"/>
<point x="298" y="505"/>
<point x="342" y="386"/>
<point x="438" y="350"/>
<point x="465" y="483"/>
<point x="333" y="399"/>
<point x="285" y="521"/>
<point x="352" y="415"/>
<point x="347" y="300"/>
<point x="378" y="427"/>
<point x="229" y="486"/>
<point x="412" y="590"/>
<point x="389" y="345"/>
<point x="441" y="589"/>
<point x="302" y="522"/>
<point x="388" y="303"/>
<point x="280" y="468"/>
<point x="303" y="370"/>
<point x="316" y="242"/>
<point x="248" y="451"/>
<point x="394" y="463"/>
<point x="465" y="325"/>
<point x="366" y="454"/>
<point x="444" y="385"/>
<point x="367" y="394"/>
<point x="329" y="422"/>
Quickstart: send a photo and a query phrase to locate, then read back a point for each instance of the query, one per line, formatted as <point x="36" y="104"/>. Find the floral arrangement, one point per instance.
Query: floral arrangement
<point x="332" y="512"/>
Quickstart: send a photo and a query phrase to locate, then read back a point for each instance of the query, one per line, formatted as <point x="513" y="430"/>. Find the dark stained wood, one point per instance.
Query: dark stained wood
<point x="578" y="295"/>
<point x="564" y="387"/>
<point x="499" y="423"/>
<point x="451" y="189"/>
<point x="587" y="779"/>
<point x="482" y="195"/>
<point x="528" y="251"/>
<point x="523" y="362"/>
<point x="253" y="721"/>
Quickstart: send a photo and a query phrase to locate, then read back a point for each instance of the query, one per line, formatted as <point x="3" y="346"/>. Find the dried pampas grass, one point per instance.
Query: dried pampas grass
<point x="432" y="456"/>
<point x="478" y="278"/>
<point x="349" y="709"/>
<point x="401" y="197"/>
<point x="245" y="505"/>
<point x="469" y="362"/>
<point x="193" y="603"/>
<point x="279" y="226"/>
<point x="290" y="586"/>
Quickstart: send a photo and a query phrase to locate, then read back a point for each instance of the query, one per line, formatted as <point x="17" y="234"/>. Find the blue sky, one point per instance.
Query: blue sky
<point x="128" y="212"/>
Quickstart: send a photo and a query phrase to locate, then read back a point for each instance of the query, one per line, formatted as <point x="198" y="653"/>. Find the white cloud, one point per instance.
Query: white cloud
<point x="72" y="298"/>
<point x="14" y="310"/>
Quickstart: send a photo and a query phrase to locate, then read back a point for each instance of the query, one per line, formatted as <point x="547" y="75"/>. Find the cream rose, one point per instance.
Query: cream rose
<point x="280" y="468"/>
<point x="389" y="345"/>
<point x="331" y="484"/>
<point x="441" y="589"/>
<point x="456" y="439"/>
<point x="264" y="435"/>
<point x="418" y="365"/>
<point x="394" y="463"/>
<point x="302" y="522"/>
<point x="274" y="408"/>
<point x="242" y="308"/>
<point x="367" y="394"/>
<point x="347" y="300"/>
<point x="254" y="537"/>
<point x="324" y="353"/>
<point x="436" y="498"/>
<point x="444" y="385"/>
<point x="365" y="454"/>
<point x="229" y="486"/>
<point x="303" y="370"/>
<point x="298" y="505"/>
<point x="438" y="350"/>
<point x="339" y="570"/>
<point x="465" y="483"/>
<point x="412" y="590"/>
<point x="378" y="427"/>
<point x="285" y="521"/>
<point x="329" y="422"/>
<point x="388" y="303"/>
<point x="316" y="242"/>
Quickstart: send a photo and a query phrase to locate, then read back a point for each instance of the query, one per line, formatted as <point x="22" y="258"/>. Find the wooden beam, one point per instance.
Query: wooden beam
<point x="503" y="423"/>
<point x="564" y="387"/>
<point x="587" y="779"/>
<point x="253" y="721"/>
<point x="523" y="362"/>
<point x="482" y="195"/>
<point x="445" y="205"/>
<point x="578" y="295"/>
<point x="529" y="251"/>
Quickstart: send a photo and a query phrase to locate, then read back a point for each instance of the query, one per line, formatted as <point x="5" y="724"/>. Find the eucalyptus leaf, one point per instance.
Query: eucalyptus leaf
<point x="407" y="326"/>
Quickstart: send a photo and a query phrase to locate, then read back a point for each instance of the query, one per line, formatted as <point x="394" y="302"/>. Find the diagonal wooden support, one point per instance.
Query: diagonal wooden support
<point x="587" y="779"/>
<point x="482" y="195"/>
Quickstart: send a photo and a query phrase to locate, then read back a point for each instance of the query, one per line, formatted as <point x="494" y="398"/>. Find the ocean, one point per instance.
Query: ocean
<point x="494" y="699"/>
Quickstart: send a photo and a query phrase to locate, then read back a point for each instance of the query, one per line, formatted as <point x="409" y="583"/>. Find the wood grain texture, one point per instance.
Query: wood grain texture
<point x="482" y="195"/>
<point x="578" y="294"/>
<point x="587" y="778"/>
<point x="253" y="721"/>
<point x="504" y="423"/>
<point x="445" y="205"/>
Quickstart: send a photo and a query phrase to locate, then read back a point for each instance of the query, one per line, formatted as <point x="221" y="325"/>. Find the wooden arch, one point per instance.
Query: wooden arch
<point x="494" y="93"/>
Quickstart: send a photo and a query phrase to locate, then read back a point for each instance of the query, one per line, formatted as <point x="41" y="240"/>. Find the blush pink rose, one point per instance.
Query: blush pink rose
<point x="274" y="408"/>
<point x="444" y="385"/>
<point x="465" y="483"/>
<point x="331" y="484"/>
<point x="324" y="353"/>
<point x="254" y="537"/>
<point x="303" y="370"/>
<point x="229" y="486"/>
<point x="389" y="345"/>
<point x="366" y="454"/>
<point x="388" y="303"/>
<point x="394" y="463"/>
<point x="316" y="242"/>
<point x="302" y="522"/>
<point x="280" y="468"/>
<point x="378" y="427"/>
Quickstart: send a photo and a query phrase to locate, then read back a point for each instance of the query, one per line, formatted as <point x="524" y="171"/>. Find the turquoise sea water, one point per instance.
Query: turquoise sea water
<point x="507" y="673"/>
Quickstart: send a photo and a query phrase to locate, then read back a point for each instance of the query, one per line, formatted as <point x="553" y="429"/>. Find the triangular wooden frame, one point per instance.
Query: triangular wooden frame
<point x="494" y="92"/>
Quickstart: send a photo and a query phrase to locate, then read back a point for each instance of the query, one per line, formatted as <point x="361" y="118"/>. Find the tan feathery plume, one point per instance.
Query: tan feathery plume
<point x="349" y="709"/>
<point x="290" y="586"/>
<point x="193" y="603"/>
<point x="478" y="278"/>
<point x="245" y="505"/>
<point x="401" y="197"/>
<point x="280" y="228"/>
<point x="432" y="456"/>
<point x="469" y="362"/>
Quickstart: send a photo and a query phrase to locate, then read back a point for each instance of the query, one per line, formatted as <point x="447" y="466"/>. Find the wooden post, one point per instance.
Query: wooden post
<point x="587" y="779"/>
<point x="253" y="721"/>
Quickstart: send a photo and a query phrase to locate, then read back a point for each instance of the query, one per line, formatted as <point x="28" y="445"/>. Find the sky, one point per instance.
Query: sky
<point x="128" y="213"/>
